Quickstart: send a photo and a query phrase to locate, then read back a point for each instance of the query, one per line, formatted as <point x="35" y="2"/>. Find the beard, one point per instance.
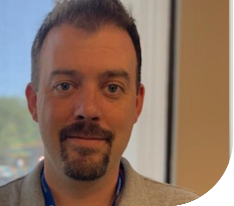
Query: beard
<point x="85" y="163"/>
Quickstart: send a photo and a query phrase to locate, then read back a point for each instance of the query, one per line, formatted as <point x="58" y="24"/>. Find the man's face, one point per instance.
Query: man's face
<point x="86" y="104"/>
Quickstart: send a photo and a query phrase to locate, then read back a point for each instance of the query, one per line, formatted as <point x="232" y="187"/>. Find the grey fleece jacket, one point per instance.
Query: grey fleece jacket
<point x="138" y="191"/>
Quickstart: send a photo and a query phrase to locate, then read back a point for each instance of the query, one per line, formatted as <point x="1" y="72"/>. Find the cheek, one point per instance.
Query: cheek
<point x="121" y="119"/>
<point x="53" y="116"/>
<point x="119" y="115"/>
<point x="54" y="112"/>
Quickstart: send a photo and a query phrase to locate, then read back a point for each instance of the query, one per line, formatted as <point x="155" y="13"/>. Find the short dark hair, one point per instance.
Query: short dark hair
<point x="89" y="15"/>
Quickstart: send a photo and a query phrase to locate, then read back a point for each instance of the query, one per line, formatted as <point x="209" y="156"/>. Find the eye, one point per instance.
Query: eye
<point x="64" y="87"/>
<point x="113" y="88"/>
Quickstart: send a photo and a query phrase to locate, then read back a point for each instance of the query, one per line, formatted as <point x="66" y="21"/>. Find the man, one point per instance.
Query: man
<point x="86" y="95"/>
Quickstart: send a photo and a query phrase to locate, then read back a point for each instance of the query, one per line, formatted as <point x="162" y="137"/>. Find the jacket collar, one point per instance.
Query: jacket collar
<point x="134" y="191"/>
<point x="31" y="193"/>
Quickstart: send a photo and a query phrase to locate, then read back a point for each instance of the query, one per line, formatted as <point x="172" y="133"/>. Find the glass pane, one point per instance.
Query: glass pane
<point x="20" y="144"/>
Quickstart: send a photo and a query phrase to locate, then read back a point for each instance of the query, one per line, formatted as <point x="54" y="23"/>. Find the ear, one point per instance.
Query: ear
<point x="139" y="101"/>
<point x="31" y="96"/>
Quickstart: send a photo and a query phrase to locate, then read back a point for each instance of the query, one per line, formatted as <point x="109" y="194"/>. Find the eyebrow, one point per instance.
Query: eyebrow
<point x="115" y="73"/>
<point x="66" y="72"/>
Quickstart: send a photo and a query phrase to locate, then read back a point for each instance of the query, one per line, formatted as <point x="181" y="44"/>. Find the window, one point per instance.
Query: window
<point x="20" y="144"/>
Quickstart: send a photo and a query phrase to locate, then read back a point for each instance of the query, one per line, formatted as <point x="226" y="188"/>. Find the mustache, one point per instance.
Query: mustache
<point x="87" y="129"/>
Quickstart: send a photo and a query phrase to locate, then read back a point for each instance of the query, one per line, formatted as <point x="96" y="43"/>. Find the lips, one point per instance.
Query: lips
<point x="86" y="138"/>
<point x="85" y="141"/>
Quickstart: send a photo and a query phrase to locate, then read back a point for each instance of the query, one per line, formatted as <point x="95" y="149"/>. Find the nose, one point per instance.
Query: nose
<point x="87" y="107"/>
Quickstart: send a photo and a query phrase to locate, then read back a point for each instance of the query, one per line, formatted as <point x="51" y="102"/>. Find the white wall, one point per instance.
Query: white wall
<point x="147" y="147"/>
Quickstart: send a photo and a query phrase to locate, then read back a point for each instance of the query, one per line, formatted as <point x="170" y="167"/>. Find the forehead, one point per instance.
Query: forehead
<point x="69" y="47"/>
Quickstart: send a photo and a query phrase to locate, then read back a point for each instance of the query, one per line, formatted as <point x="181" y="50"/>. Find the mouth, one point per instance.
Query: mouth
<point x="86" y="141"/>
<point x="86" y="138"/>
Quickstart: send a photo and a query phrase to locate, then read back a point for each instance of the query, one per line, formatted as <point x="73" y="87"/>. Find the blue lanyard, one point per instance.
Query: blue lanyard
<point x="49" y="200"/>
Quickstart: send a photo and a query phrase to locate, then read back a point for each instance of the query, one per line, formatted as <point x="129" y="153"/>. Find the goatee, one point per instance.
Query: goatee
<point x="85" y="163"/>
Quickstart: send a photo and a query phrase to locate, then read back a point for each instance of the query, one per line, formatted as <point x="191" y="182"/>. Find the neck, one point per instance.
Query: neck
<point x="67" y="191"/>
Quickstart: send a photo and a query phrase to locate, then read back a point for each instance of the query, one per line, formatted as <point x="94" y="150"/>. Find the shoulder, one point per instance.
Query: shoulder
<point x="171" y="194"/>
<point x="10" y="193"/>
<point x="24" y="191"/>
<point x="140" y="190"/>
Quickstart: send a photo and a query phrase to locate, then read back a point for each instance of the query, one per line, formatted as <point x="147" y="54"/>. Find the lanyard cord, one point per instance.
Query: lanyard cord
<point x="119" y="188"/>
<point x="49" y="200"/>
